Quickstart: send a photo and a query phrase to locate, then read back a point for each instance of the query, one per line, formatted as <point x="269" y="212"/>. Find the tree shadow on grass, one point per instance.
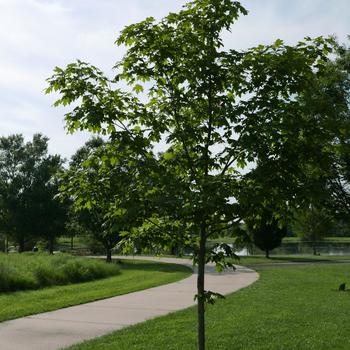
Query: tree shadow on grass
<point x="298" y="259"/>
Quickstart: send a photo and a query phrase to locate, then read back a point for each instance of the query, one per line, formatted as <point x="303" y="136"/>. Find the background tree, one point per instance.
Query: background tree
<point x="336" y="92"/>
<point x="217" y="111"/>
<point x="53" y="214"/>
<point x="82" y="223"/>
<point x="102" y="185"/>
<point x="312" y="224"/>
<point x="267" y="232"/>
<point x="326" y="181"/>
<point x="28" y="177"/>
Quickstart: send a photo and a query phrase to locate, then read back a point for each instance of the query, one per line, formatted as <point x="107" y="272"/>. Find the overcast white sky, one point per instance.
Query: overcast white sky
<point x="37" y="35"/>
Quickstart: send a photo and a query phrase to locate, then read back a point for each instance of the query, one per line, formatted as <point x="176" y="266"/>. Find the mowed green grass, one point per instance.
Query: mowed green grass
<point x="253" y="260"/>
<point x="326" y="239"/>
<point x="133" y="276"/>
<point x="294" y="308"/>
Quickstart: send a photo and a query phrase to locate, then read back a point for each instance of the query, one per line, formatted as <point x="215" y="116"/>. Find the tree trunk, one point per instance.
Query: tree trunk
<point x="173" y="250"/>
<point x="200" y="290"/>
<point x="267" y="254"/>
<point x="21" y="246"/>
<point x="50" y="246"/>
<point x="314" y="249"/>
<point x="109" y="255"/>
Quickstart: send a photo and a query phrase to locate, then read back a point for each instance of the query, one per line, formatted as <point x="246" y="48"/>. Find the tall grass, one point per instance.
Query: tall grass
<point x="34" y="271"/>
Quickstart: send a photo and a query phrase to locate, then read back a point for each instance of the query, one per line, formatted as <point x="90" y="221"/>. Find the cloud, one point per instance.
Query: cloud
<point x="49" y="7"/>
<point x="289" y="20"/>
<point x="37" y="35"/>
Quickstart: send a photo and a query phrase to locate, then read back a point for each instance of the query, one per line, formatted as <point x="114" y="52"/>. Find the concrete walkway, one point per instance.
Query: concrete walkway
<point x="58" y="329"/>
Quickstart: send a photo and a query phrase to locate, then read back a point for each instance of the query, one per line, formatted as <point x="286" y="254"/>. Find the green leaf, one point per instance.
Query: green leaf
<point x="138" y="88"/>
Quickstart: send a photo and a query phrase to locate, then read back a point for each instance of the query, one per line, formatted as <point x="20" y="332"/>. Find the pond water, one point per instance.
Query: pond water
<point x="322" y="248"/>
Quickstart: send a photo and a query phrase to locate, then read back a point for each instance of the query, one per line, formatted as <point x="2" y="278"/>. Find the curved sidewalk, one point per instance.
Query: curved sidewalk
<point x="57" y="329"/>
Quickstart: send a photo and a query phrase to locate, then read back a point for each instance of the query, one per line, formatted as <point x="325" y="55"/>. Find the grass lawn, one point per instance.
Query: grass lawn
<point x="254" y="260"/>
<point x="292" y="308"/>
<point x="326" y="239"/>
<point x="78" y="241"/>
<point x="134" y="276"/>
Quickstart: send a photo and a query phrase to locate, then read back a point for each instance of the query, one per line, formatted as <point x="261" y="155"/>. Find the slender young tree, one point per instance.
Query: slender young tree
<point x="218" y="111"/>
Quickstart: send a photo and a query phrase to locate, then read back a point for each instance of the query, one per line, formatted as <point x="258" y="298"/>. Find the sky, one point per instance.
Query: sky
<point x="37" y="35"/>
